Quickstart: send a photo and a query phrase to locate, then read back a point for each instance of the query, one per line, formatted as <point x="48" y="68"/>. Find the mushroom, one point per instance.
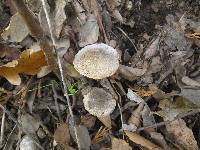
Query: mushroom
<point x="97" y="61"/>
<point x="99" y="103"/>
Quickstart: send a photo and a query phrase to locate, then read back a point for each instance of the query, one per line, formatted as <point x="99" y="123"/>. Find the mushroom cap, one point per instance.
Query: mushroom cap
<point x="97" y="61"/>
<point x="99" y="103"/>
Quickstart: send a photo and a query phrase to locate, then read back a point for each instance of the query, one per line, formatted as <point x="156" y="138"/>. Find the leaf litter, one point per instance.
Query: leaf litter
<point x="145" y="97"/>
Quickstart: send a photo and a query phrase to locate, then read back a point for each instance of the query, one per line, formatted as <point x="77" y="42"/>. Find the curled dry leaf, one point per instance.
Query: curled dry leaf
<point x="17" y="29"/>
<point x="118" y="144"/>
<point x="136" y="138"/>
<point x="182" y="135"/>
<point x="99" y="103"/>
<point x="29" y="63"/>
<point x="61" y="135"/>
<point x="89" y="32"/>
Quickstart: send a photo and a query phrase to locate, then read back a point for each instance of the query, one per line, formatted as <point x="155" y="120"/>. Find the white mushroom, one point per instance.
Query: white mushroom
<point x="99" y="103"/>
<point x="97" y="61"/>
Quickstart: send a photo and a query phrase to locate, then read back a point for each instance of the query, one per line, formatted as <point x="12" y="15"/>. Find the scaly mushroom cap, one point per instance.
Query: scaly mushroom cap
<point x="99" y="103"/>
<point x="97" y="61"/>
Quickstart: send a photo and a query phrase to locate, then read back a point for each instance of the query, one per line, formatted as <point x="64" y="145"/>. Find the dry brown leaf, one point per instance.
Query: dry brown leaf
<point x="29" y="63"/>
<point x="61" y="135"/>
<point x="136" y="138"/>
<point x="118" y="144"/>
<point x="182" y="135"/>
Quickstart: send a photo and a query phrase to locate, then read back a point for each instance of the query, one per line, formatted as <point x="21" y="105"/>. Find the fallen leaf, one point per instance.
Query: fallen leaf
<point x="159" y="139"/>
<point x="134" y="97"/>
<point x="88" y="120"/>
<point x="17" y="29"/>
<point x="192" y="95"/>
<point x="136" y="116"/>
<point x="8" y="53"/>
<point x="59" y="16"/>
<point x="182" y="135"/>
<point x="190" y="82"/>
<point x="61" y="135"/>
<point x="28" y="123"/>
<point x="152" y="49"/>
<point x="131" y="73"/>
<point x="118" y="144"/>
<point x="147" y="118"/>
<point x="79" y="11"/>
<point x="171" y="109"/>
<point x="83" y="136"/>
<point x="136" y="138"/>
<point x="106" y="120"/>
<point x="89" y="32"/>
<point x="29" y="63"/>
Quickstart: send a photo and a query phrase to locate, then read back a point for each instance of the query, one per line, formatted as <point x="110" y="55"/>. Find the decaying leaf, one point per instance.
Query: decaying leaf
<point x="89" y="32"/>
<point x="182" y="135"/>
<point x="29" y="63"/>
<point x="118" y="144"/>
<point x="136" y="138"/>
<point x="61" y="135"/>
<point x="171" y="109"/>
<point x="17" y="29"/>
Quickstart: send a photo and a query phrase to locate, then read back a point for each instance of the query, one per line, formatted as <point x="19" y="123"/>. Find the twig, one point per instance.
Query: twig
<point x="55" y="96"/>
<point x="2" y="128"/>
<point x="167" y="122"/>
<point x="9" y="136"/>
<point x="61" y="74"/>
<point x="128" y="38"/>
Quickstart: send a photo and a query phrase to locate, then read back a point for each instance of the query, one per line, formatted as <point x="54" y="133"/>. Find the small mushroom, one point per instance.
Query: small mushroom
<point x="99" y="103"/>
<point x="97" y="61"/>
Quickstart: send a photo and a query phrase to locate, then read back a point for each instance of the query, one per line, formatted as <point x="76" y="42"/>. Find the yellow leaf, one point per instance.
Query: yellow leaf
<point x="29" y="63"/>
